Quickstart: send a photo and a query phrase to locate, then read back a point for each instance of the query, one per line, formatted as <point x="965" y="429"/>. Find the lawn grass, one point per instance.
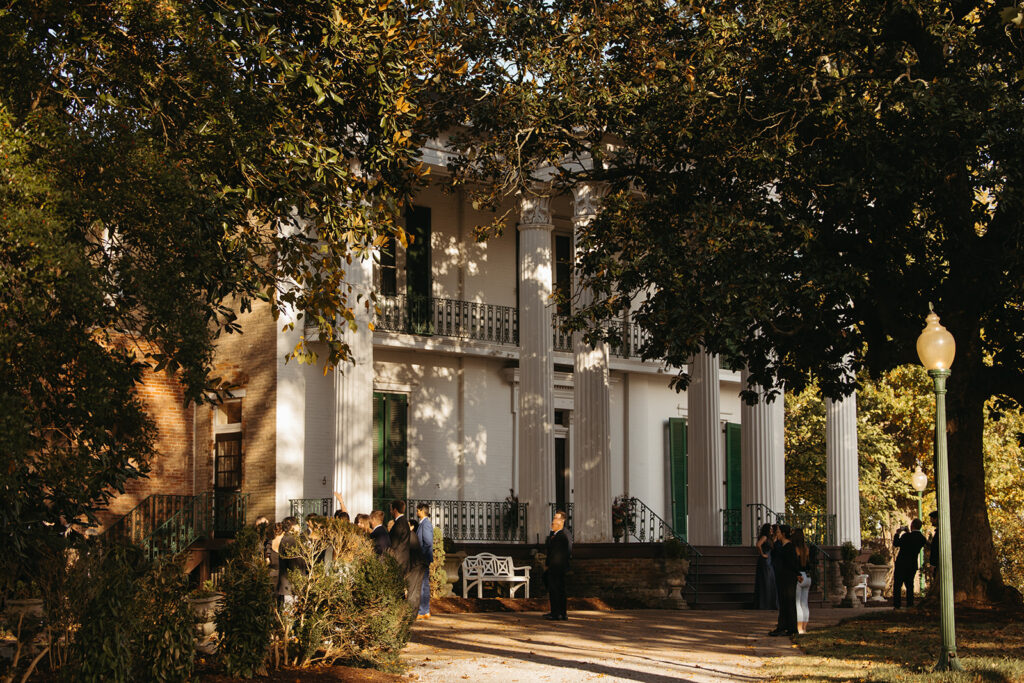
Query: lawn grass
<point x="904" y="646"/>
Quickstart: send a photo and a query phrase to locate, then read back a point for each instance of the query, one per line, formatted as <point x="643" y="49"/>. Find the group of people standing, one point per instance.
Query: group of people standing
<point x="411" y="543"/>
<point x="784" y="577"/>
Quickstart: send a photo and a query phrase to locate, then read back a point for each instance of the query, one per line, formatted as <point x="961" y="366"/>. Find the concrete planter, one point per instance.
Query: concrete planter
<point x="878" y="576"/>
<point x="452" y="562"/>
<point x="675" y="580"/>
<point x="204" y="609"/>
<point x="30" y="610"/>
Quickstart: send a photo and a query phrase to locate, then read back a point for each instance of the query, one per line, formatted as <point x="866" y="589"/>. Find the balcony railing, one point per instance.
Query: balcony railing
<point x="478" y="520"/>
<point x="448" y="318"/>
<point x="631" y="337"/>
<point x="299" y="508"/>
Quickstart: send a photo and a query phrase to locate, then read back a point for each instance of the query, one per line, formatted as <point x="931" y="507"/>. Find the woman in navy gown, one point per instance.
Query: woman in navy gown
<point x="765" y="594"/>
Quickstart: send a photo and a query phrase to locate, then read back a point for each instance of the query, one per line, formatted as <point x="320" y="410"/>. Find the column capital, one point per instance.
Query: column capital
<point x="587" y="200"/>
<point x="535" y="213"/>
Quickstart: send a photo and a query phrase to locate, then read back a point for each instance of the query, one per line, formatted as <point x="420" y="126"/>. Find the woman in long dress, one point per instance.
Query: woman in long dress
<point x="765" y="594"/>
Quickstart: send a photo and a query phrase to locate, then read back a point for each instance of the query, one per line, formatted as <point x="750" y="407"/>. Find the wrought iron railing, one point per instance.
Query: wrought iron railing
<point x="646" y="526"/>
<point x="164" y="523"/>
<point x="567" y="509"/>
<point x="229" y="513"/>
<point x="448" y="318"/>
<point x="823" y="573"/>
<point x="561" y="339"/>
<point x="818" y="529"/>
<point x="299" y="508"/>
<point x="142" y="520"/>
<point x="478" y="520"/>
<point x="732" y="527"/>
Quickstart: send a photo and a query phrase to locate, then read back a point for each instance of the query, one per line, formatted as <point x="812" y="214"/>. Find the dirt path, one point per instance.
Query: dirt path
<point x="631" y="645"/>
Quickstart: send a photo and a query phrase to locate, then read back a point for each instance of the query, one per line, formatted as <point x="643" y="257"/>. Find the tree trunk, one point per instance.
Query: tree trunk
<point x="976" y="573"/>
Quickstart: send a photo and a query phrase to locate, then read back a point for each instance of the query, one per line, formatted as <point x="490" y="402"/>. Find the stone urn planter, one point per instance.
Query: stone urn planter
<point x="846" y="597"/>
<point x="29" y="610"/>
<point x="878" y="575"/>
<point x="452" y="562"/>
<point x="204" y="609"/>
<point x="675" y="570"/>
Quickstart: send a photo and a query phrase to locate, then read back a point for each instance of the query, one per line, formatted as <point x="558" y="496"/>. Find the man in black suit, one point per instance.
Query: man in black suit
<point x="558" y="553"/>
<point x="378" y="534"/>
<point x="406" y="549"/>
<point x="787" y="569"/>
<point x="910" y="543"/>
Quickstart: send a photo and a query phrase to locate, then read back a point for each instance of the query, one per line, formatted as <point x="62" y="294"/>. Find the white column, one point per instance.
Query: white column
<point x="842" y="475"/>
<point x="592" y="477"/>
<point x="762" y="459"/>
<point x="353" y="394"/>
<point x="705" y="462"/>
<point x="536" y="367"/>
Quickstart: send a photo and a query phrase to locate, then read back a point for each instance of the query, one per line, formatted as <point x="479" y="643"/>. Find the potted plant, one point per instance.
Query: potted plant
<point x="848" y="571"/>
<point x="878" y="575"/>
<point x="623" y="522"/>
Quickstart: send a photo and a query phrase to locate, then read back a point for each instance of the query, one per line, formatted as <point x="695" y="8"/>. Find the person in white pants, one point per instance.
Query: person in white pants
<point x="803" y="580"/>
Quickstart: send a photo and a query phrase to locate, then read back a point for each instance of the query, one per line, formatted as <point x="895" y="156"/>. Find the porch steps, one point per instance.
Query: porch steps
<point x="727" y="576"/>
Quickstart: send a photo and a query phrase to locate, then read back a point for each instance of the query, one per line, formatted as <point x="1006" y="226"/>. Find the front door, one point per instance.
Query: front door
<point x="390" y="449"/>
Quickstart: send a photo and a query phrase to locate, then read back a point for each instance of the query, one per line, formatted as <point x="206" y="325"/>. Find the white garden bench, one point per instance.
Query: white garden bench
<point x="476" y="569"/>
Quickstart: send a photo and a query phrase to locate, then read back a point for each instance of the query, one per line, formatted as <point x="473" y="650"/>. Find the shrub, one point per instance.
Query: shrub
<point x="438" y="576"/>
<point x="246" y="620"/>
<point x="349" y="609"/>
<point x="135" y="622"/>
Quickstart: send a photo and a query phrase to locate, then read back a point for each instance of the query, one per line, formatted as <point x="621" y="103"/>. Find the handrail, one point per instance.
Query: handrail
<point x="139" y="523"/>
<point x="170" y="523"/>
<point x="646" y="526"/>
<point x="828" y="576"/>
<point x="478" y="520"/>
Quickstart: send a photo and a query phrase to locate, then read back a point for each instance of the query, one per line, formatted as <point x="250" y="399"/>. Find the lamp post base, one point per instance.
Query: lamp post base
<point x="948" y="661"/>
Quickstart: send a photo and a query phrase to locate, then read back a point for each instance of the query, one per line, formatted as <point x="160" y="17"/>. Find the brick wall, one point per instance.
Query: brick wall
<point x="246" y="359"/>
<point x="171" y="466"/>
<point x="249" y="361"/>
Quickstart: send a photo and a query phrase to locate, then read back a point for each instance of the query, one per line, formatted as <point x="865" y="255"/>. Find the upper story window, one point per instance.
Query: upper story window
<point x="228" y="451"/>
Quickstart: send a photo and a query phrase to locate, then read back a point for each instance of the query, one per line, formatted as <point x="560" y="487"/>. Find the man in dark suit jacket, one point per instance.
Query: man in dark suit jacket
<point x="558" y="553"/>
<point x="406" y="549"/>
<point x="787" y="569"/>
<point x="910" y="543"/>
<point x="378" y="534"/>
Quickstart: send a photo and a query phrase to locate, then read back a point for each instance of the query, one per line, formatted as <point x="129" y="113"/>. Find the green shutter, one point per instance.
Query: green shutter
<point x="390" y="448"/>
<point x="677" y="466"/>
<point x="733" y="467"/>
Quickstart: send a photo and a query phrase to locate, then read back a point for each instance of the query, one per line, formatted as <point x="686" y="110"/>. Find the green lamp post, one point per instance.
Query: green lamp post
<point x="936" y="348"/>
<point x="919" y="480"/>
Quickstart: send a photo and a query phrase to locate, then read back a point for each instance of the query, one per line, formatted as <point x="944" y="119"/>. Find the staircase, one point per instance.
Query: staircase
<point x="168" y="523"/>
<point x="726" y="577"/>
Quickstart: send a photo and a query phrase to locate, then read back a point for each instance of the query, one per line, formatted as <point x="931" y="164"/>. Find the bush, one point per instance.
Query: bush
<point x="135" y="623"/>
<point x="351" y="609"/>
<point x="246" y="620"/>
<point x="438" y="576"/>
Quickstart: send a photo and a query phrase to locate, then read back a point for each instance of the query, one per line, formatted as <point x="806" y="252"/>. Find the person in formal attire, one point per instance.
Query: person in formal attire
<point x="933" y="554"/>
<point x="765" y="594"/>
<point x="909" y="542"/>
<point x="290" y="558"/>
<point x="558" y="549"/>
<point x="363" y="522"/>
<point x="425" y="534"/>
<point x="378" y="534"/>
<point x="803" y="580"/>
<point x="786" y="571"/>
<point x="405" y="548"/>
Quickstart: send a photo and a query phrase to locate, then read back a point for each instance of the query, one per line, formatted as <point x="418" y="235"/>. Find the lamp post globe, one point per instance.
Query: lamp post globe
<point x="936" y="349"/>
<point x="919" y="480"/>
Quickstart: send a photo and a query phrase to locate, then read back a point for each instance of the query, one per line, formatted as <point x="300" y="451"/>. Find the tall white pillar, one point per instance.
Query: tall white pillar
<point x="842" y="475"/>
<point x="761" y="456"/>
<point x="705" y="461"/>
<point x="592" y="477"/>
<point x="353" y="401"/>
<point x="536" y="367"/>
